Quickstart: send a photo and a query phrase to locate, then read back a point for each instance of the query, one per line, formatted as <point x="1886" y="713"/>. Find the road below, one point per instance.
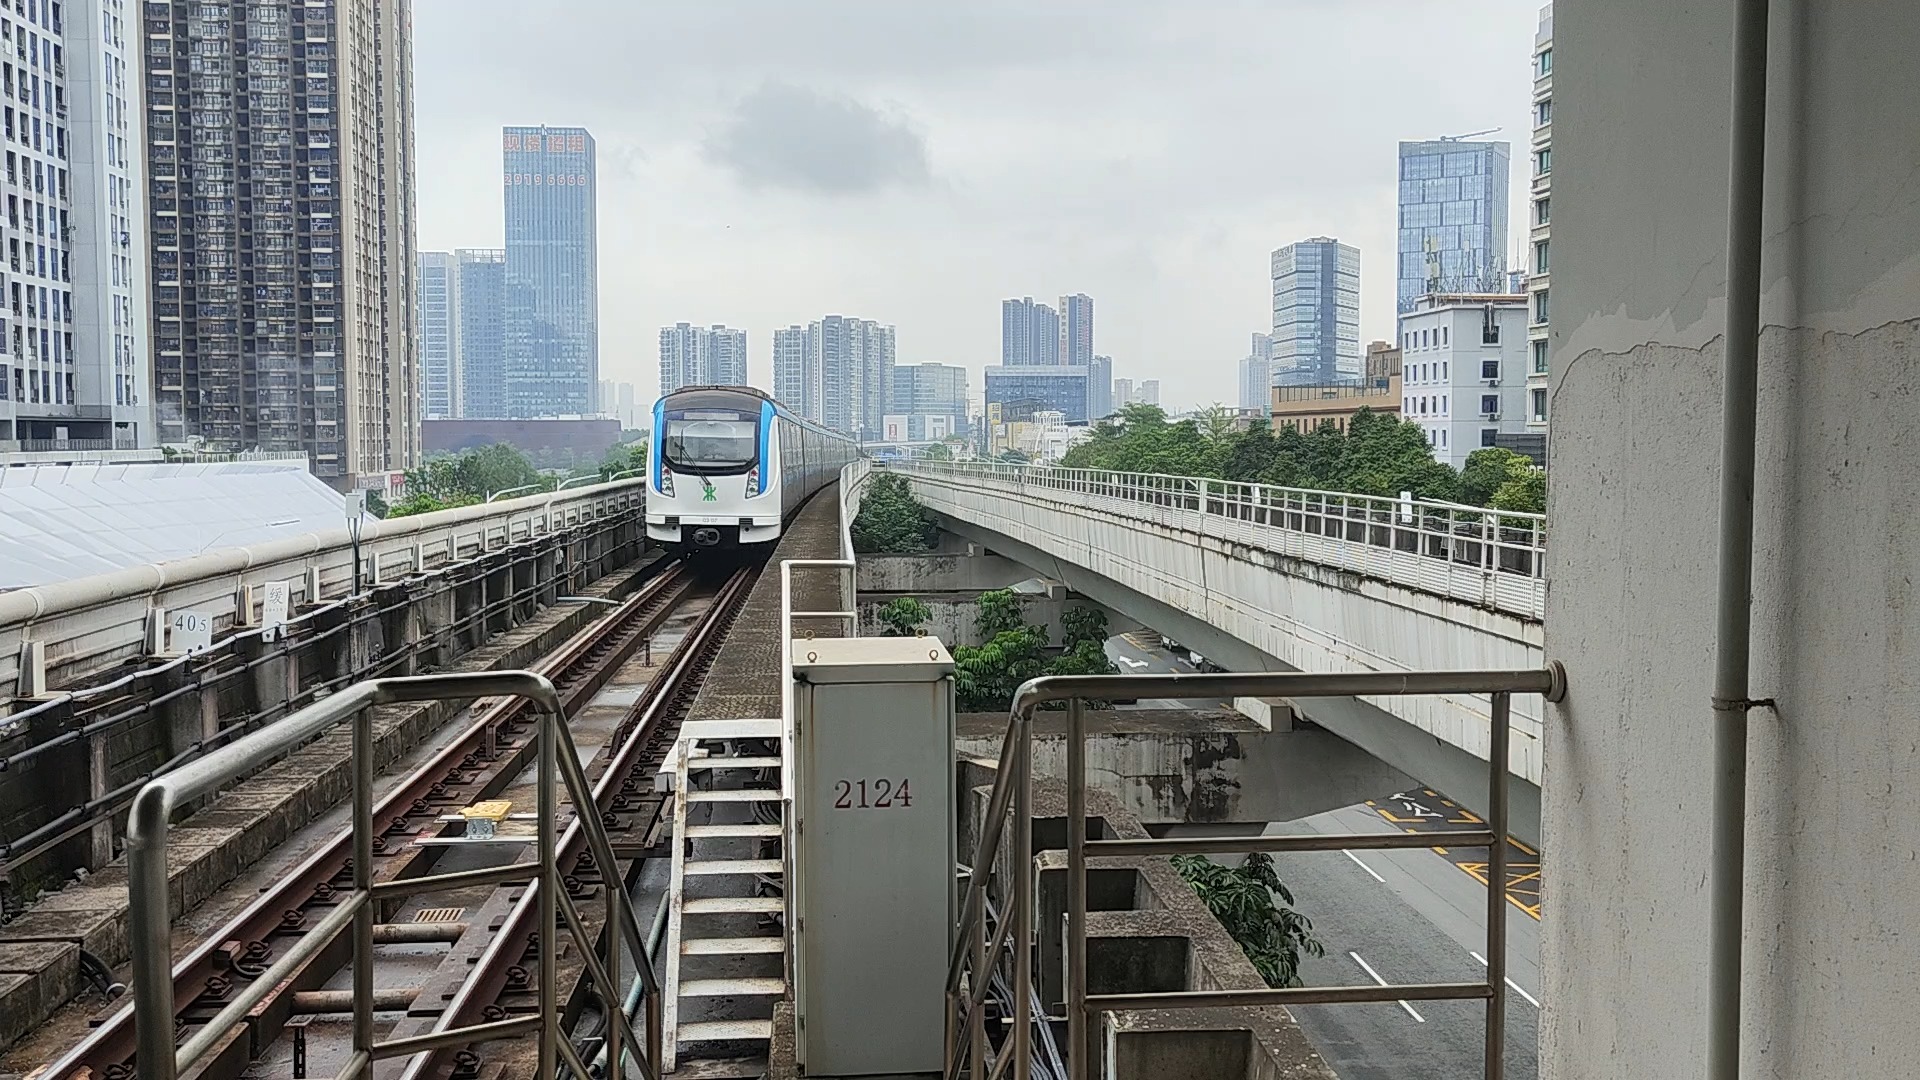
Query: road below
<point x="1405" y="917"/>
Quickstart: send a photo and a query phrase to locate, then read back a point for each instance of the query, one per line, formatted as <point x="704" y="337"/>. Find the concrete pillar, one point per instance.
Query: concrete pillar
<point x="99" y="782"/>
<point x="1832" y="881"/>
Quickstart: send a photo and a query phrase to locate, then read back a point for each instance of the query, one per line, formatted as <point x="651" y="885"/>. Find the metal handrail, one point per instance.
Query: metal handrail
<point x="1495" y="557"/>
<point x="150" y="932"/>
<point x="974" y="956"/>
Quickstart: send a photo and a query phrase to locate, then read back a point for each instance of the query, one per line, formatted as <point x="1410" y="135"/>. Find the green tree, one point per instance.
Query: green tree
<point x="1243" y="898"/>
<point x="1526" y="493"/>
<point x="472" y="475"/>
<point x="998" y="611"/>
<point x="624" y="457"/>
<point x="1488" y="470"/>
<point x="904" y="616"/>
<point x="985" y="676"/>
<point x="1083" y="624"/>
<point x="891" y="521"/>
<point x="937" y="452"/>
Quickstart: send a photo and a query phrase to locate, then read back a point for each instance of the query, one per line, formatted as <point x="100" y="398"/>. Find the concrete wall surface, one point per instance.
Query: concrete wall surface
<point x="939" y="572"/>
<point x="954" y="619"/>
<point x="1833" y="866"/>
<point x="1192" y="767"/>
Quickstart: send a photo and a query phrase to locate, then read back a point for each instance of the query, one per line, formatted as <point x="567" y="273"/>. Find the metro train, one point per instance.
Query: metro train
<point x="728" y="465"/>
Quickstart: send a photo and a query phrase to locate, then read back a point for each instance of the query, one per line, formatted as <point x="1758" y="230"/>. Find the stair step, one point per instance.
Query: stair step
<point x="713" y="867"/>
<point x="734" y="905"/>
<point x="723" y="1030"/>
<point x="717" y="762"/>
<point x="734" y="795"/>
<point x="727" y="730"/>
<point x="742" y="987"/>
<point x="748" y="828"/>
<point x="730" y="946"/>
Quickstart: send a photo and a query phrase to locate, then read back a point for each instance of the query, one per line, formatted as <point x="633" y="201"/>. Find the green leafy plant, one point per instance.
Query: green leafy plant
<point x="1256" y="908"/>
<point x="904" y="617"/>
<point x="891" y="521"/>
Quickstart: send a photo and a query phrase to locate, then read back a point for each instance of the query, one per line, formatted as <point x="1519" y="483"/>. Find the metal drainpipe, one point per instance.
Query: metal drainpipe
<point x="1734" y="609"/>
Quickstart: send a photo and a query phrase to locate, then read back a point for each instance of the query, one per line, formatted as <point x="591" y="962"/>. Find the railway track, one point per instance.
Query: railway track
<point x="485" y="758"/>
<point x="622" y="775"/>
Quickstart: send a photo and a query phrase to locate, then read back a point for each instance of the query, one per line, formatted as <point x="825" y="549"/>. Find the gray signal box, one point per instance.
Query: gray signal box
<point x="874" y="888"/>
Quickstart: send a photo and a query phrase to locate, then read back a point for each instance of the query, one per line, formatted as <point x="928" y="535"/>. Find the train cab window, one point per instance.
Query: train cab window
<point x="703" y="440"/>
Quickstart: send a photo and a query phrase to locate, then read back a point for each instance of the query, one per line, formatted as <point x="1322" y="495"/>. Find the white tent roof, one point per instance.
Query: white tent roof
<point x="59" y="522"/>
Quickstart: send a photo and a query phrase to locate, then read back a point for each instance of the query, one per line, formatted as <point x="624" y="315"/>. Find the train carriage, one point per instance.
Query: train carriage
<point x="728" y="465"/>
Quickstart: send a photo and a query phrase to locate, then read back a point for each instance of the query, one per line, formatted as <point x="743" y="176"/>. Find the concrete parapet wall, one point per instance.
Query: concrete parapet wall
<point x="92" y="624"/>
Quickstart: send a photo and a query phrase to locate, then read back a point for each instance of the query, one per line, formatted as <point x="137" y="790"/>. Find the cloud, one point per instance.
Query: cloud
<point x="785" y="136"/>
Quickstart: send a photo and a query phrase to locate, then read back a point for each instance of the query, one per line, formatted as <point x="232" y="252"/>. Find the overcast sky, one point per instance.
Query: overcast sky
<point x="766" y="162"/>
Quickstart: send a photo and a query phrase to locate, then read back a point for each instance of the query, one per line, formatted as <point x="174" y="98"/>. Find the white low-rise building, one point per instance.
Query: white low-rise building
<point x="1463" y="370"/>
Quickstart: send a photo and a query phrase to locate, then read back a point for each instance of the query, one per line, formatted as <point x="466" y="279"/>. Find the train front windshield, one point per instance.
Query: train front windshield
<point x="711" y="440"/>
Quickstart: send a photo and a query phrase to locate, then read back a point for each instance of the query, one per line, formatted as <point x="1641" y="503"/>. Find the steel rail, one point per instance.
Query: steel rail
<point x="485" y="752"/>
<point x="653" y="717"/>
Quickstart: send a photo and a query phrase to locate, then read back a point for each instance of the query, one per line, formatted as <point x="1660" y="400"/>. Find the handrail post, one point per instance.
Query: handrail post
<point x="148" y="924"/>
<point x="364" y="916"/>
<point x="977" y="1013"/>
<point x="1076" y="973"/>
<point x="1023" y="911"/>
<point x="1497" y="799"/>
<point x="546" y="798"/>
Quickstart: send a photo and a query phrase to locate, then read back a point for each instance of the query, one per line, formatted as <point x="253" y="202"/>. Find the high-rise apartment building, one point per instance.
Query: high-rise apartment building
<point x="1149" y="393"/>
<point x="553" y="311"/>
<point x="74" y="314"/>
<point x="280" y="169"/>
<point x="796" y="372"/>
<point x="481" y="337"/>
<point x="1100" y="387"/>
<point x="1030" y="333"/>
<point x="1453" y="219"/>
<point x="702" y="356"/>
<point x="1256" y="383"/>
<point x="1076" y="329"/>
<point x="851" y="361"/>
<point x="438" y="283"/>
<point x="1122" y="393"/>
<point x="1540" y="219"/>
<point x="1316" y="313"/>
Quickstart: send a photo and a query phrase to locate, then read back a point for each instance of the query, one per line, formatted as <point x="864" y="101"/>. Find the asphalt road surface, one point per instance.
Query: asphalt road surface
<point x="1139" y="654"/>
<point x="1406" y="917"/>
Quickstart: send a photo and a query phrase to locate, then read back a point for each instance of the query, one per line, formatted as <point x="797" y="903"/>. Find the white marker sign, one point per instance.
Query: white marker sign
<point x="274" y="607"/>
<point x="192" y="631"/>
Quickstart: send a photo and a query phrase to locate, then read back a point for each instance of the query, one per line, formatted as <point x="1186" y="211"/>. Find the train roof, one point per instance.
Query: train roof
<point x="744" y="391"/>
<point x="757" y="394"/>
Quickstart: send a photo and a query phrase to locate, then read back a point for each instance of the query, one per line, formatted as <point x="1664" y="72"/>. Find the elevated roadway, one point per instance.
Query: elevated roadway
<point x="1263" y="578"/>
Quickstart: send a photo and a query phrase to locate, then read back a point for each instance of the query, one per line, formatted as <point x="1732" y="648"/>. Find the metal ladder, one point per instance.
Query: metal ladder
<point x="694" y="949"/>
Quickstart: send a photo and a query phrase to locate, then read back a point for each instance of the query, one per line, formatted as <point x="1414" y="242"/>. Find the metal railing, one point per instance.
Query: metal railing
<point x="978" y="950"/>
<point x="1496" y="558"/>
<point x="558" y="762"/>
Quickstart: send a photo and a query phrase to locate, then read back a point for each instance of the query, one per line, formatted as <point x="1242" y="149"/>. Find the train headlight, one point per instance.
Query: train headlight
<point x="753" y="482"/>
<point x="666" y="483"/>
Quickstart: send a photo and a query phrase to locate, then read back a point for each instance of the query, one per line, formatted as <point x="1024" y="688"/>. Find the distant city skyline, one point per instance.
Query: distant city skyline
<point x="1172" y="244"/>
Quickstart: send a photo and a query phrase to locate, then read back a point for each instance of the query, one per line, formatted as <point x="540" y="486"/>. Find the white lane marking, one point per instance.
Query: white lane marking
<point x="1517" y="988"/>
<point x="1363" y="866"/>
<point x="1132" y="663"/>
<point x="1375" y="976"/>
